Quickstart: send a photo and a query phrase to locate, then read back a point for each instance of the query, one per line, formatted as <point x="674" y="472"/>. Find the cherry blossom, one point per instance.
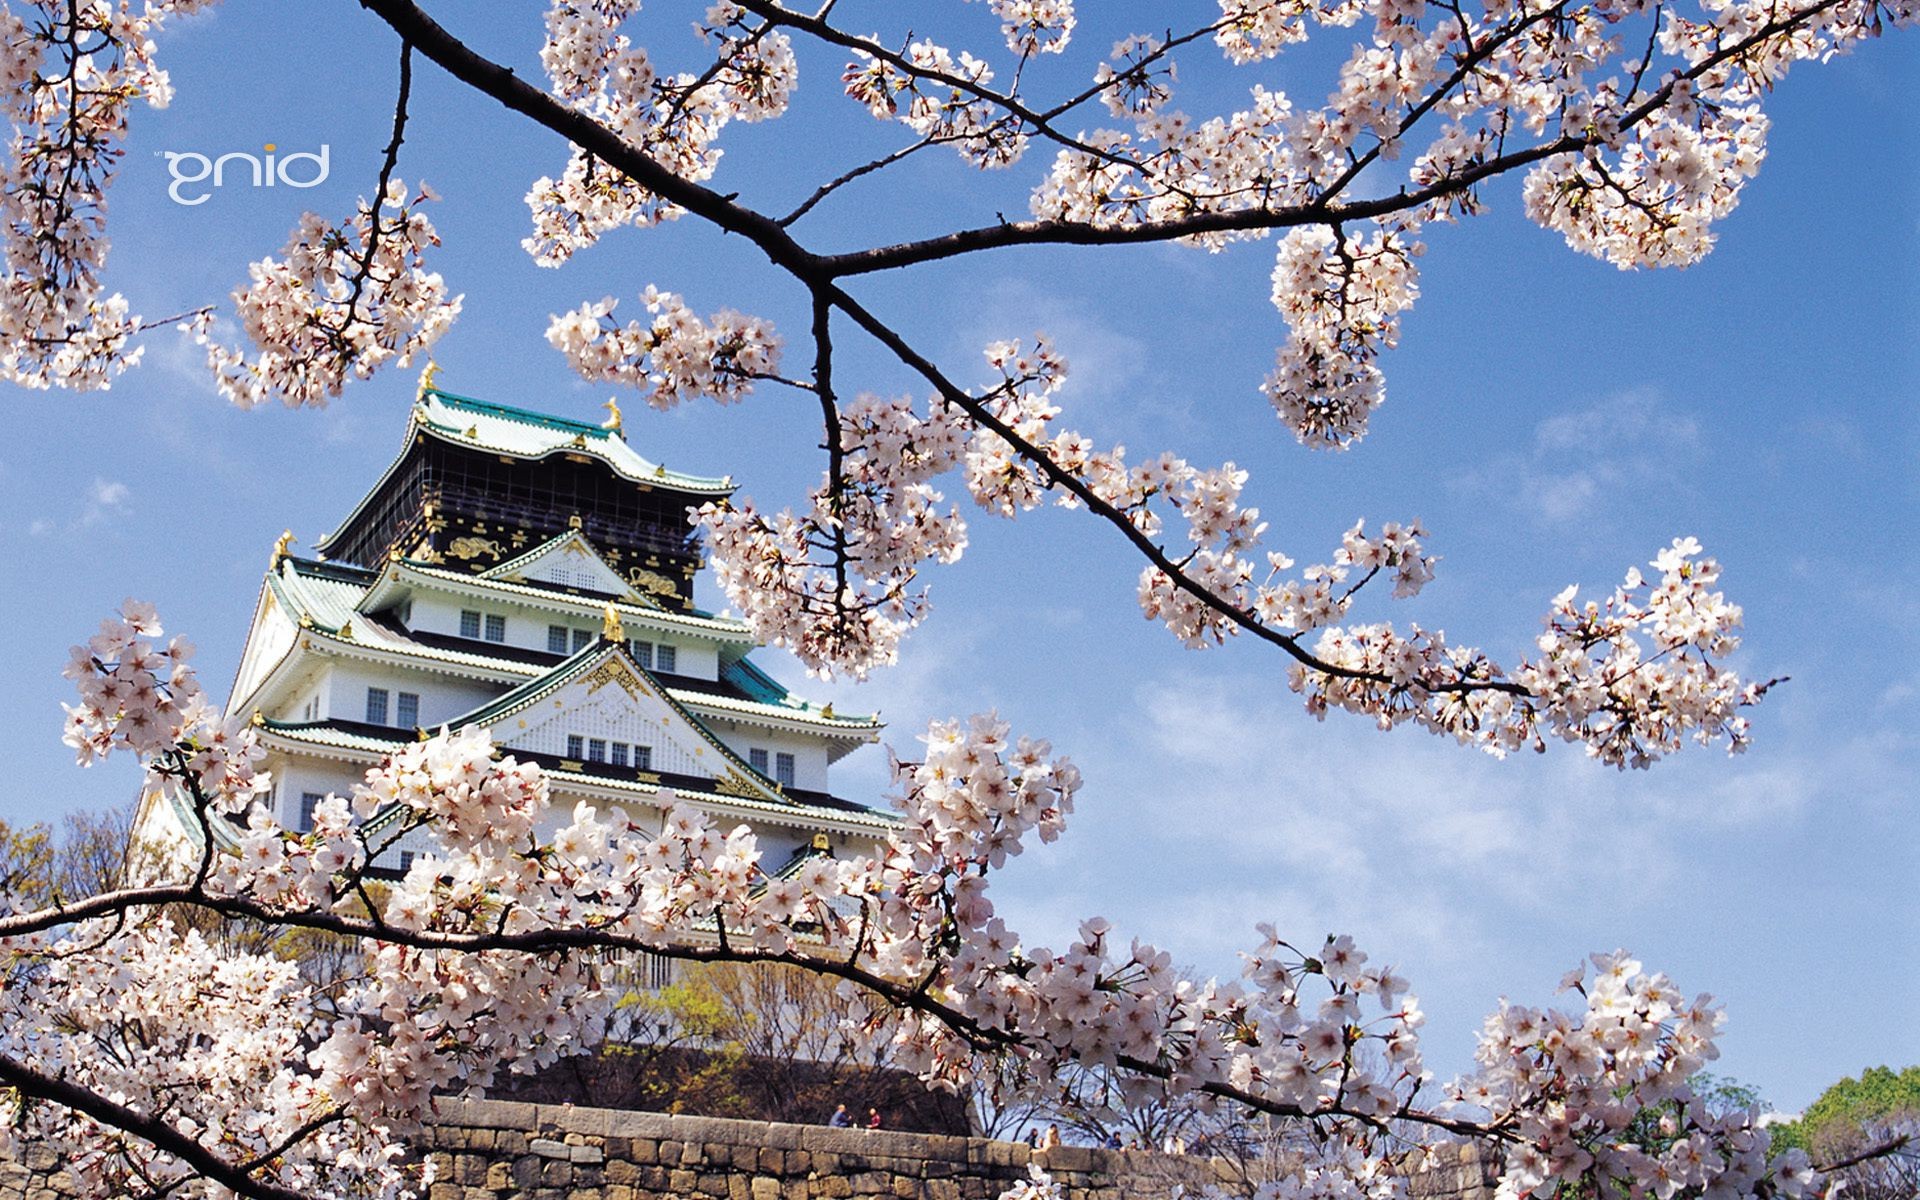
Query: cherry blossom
<point x="339" y="304"/>
<point x="484" y="957"/>
<point x="672" y="357"/>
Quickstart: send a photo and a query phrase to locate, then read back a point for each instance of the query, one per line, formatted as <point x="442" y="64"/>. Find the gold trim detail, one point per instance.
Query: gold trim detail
<point x="614" y="670"/>
<point x="473" y="547"/>
<point x="651" y="582"/>
<point x="736" y="784"/>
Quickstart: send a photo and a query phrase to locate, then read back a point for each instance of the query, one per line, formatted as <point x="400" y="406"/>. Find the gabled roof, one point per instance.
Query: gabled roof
<point x="604" y="663"/>
<point x="573" y="554"/>
<point x="523" y="434"/>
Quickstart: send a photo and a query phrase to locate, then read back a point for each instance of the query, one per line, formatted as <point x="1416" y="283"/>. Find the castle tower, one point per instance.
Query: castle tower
<point x="532" y="576"/>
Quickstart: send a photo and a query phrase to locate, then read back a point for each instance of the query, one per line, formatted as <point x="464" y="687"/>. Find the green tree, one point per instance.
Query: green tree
<point x="1857" y="1116"/>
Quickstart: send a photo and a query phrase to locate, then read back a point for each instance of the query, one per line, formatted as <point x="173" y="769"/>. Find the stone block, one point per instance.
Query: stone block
<point x="548" y="1148"/>
<point x="588" y="1154"/>
<point x="526" y="1171"/>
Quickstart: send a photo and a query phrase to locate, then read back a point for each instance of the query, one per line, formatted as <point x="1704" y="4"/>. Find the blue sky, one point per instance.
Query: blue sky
<point x="1551" y="419"/>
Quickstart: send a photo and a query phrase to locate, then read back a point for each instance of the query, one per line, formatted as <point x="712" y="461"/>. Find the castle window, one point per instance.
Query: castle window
<point x="406" y="861"/>
<point x="757" y="759"/>
<point x="619" y="754"/>
<point x="783" y="769"/>
<point x="469" y="623"/>
<point x="376" y="706"/>
<point x="576" y="746"/>
<point x="642" y="652"/>
<point x="556" y="639"/>
<point x="309" y="801"/>
<point x="596" y="750"/>
<point x="665" y="658"/>
<point x="406" y="710"/>
<point x="496" y="627"/>
<point x="580" y="639"/>
<point x="643" y="757"/>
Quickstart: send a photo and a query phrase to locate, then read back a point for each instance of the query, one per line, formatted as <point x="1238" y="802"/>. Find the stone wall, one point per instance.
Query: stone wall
<point x="493" y="1150"/>
<point x="501" y="1150"/>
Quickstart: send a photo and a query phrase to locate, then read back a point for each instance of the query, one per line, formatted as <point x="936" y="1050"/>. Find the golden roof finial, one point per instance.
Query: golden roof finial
<point x="612" y="423"/>
<point x="612" y="629"/>
<point x="280" y="545"/>
<point x="428" y="376"/>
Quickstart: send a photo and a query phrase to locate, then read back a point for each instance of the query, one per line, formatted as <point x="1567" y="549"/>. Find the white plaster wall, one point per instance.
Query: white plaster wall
<point x="442" y="697"/>
<point x="809" y="755"/>
<point x="527" y="629"/>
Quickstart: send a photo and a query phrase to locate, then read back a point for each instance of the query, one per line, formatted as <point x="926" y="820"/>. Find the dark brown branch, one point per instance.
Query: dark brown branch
<point x="493" y="79"/>
<point x="1068" y="481"/>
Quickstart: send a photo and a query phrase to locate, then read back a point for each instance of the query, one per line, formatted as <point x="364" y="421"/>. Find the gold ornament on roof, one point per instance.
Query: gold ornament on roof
<point x="428" y="378"/>
<point x="612" y="629"/>
<point x="612" y="423"/>
<point x="280" y="547"/>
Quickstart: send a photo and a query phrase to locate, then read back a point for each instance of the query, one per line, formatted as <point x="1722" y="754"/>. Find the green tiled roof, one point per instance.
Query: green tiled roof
<point x="503" y="429"/>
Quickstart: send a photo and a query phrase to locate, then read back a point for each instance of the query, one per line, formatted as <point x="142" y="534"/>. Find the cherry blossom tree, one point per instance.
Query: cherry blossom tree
<point x="154" y="1058"/>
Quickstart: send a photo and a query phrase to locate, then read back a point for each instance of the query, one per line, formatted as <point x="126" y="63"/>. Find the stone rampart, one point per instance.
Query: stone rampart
<point x="502" y="1150"/>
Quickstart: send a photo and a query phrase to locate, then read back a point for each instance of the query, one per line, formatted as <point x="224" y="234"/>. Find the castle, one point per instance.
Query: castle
<point x="532" y="576"/>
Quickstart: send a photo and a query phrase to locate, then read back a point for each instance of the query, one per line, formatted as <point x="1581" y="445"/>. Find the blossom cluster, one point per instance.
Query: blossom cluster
<point x="835" y="584"/>
<point x="141" y="697"/>
<point x="674" y="119"/>
<point x="68" y="74"/>
<point x="205" y="1041"/>
<point x="338" y="305"/>
<point x="671" y="357"/>
<point x="1628" y="679"/>
<point x="1343" y="299"/>
<point x="935" y="93"/>
<point x="1035" y="26"/>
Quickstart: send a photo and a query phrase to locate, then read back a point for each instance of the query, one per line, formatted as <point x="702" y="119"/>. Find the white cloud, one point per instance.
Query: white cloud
<point x="105" y="500"/>
<point x="1627" y="441"/>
